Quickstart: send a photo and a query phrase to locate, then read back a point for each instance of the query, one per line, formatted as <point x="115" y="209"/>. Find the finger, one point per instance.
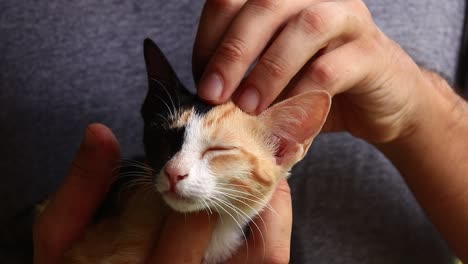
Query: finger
<point x="338" y="71"/>
<point x="270" y="239"/>
<point x="313" y="29"/>
<point x="248" y="35"/>
<point x="184" y="238"/>
<point x="214" y="21"/>
<point x="72" y="207"/>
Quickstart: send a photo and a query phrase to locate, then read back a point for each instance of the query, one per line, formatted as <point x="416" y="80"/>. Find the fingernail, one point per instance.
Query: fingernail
<point x="211" y="87"/>
<point x="248" y="100"/>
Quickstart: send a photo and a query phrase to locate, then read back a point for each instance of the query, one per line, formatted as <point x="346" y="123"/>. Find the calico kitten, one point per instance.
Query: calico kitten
<point x="202" y="157"/>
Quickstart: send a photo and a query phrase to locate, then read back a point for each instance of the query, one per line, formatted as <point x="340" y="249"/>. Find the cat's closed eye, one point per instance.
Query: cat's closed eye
<point x="218" y="149"/>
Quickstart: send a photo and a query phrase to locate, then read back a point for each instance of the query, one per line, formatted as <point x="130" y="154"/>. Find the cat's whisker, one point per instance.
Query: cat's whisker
<point x="170" y="98"/>
<point x="135" y="173"/>
<point x="239" y="185"/>
<point x="139" y="167"/>
<point x="116" y="166"/>
<point x="169" y="109"/>
<point x="242" y="194"/>
<point x="235" y="220"/>
<point x="236" y="210"/>
<point x="135" y="162"/>
<point x="219" y="202"/>
<point x="258" y="200"/>
<point x="236" y="198"/>
<point x="124" y="163"/>
<point x="167" y="92"/>
<point x="264" y="200"/>
<point x="131" y="175"/>
<point x="206" y="206"/>
<point x="251" y="220"/>
<point x="203" y="206"/>
<point x="136" y="182"/>
<point x="165" y="120"/>
<point x="215" y="207"/>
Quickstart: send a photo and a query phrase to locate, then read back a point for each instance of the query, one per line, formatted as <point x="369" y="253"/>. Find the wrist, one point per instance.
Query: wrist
<point x="432" y="159"/>
<point x="435" y="144"/>
<point x="435" y="112"/>
<point x="430" y="156"/>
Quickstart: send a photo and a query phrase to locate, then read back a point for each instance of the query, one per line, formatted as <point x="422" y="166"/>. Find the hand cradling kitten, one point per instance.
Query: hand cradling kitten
<point x="201" y="157"/>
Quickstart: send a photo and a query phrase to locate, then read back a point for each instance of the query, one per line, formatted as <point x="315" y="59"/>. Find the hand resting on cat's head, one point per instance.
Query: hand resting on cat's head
<point x="70" y="210"/>
<point x="380" y="93"/>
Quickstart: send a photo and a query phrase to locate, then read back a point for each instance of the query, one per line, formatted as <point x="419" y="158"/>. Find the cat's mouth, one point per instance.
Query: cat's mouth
<point x="181" y="203"/>
<point x="175" y="196"/>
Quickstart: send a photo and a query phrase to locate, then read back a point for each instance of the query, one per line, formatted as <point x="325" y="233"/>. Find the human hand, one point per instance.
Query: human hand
<point x="183" y="239"/>
<point x="309" y="44"/>
<point x="271" y="241"/>
<point x="268" y="242"/>
<point x="71" y="209"/>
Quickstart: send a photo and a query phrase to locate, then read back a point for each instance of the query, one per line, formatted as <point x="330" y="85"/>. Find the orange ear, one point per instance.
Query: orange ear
<point x="295" y="122"/>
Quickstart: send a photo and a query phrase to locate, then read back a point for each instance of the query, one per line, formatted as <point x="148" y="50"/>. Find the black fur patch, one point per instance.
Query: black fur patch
<point x="166" y="94"/>
<point x="161" y="144"/>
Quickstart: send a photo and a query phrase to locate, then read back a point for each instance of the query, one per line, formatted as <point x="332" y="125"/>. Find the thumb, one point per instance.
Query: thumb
<point x="184" y="238"/>
<point x="270" y="239"/>
<point x="72" y="207"/>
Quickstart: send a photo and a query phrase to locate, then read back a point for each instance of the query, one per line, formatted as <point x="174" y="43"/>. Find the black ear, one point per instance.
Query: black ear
<point x="157" y="66"/>
<point x="165" y="91"/>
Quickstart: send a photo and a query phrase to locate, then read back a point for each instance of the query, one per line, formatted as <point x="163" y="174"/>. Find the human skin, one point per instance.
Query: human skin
<point x="379" y="93"/>
<point x="184" y="238"/>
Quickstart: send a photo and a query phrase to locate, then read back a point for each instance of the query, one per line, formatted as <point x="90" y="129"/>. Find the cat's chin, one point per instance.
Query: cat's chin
<point x="182" y="204"/>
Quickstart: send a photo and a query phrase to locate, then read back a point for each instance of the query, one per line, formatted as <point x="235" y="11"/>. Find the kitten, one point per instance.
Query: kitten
<point x="203" y="157"/>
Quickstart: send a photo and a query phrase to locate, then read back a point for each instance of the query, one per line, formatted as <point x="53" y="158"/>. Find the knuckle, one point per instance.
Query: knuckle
<point x="233" y="50"/>
<point x="361" y="7"/>
<point x="322" y="73"/>
<point x="312" y="21"/>
<point x="275" y="66"/>
<point x="266" y="5"/>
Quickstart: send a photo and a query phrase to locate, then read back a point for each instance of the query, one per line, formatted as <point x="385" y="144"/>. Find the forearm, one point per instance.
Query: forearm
<point x="434" y="161"/>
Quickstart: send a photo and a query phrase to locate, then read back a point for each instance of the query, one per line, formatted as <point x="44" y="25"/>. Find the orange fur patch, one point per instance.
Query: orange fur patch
<point x="257" y="171"/>
<point x="215" y="119"/>
<point x="182" y="119"/>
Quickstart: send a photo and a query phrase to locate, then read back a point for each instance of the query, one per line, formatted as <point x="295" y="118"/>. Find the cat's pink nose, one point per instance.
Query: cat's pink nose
<point x="174" y="174"/>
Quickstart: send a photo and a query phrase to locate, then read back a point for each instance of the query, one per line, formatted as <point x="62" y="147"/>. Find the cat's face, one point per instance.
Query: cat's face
<point x="226" y="158"/>
<point x="218" y="157"/>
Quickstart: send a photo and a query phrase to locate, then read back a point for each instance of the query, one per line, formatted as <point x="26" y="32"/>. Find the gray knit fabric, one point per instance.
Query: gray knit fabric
<point x="64" y="64"/>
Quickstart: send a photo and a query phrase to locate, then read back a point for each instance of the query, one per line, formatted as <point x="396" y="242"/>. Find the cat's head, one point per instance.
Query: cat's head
<point x="218" y="157"/>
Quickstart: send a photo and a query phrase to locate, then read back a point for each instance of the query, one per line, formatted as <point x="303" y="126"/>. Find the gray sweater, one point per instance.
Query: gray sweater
<point x="64" y="64"/>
